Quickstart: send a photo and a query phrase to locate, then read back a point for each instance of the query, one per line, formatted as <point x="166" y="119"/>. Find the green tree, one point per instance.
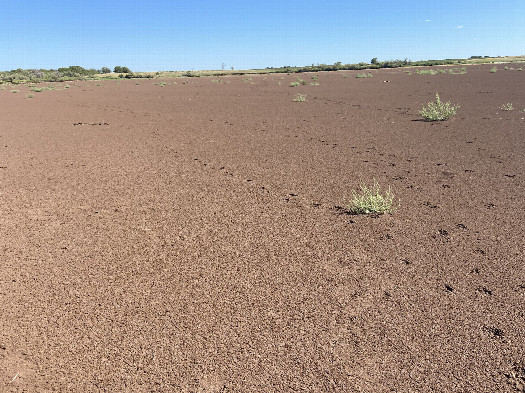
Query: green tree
<point x="105" y="70"/>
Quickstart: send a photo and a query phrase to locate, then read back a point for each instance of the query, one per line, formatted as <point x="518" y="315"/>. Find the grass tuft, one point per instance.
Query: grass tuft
<point x="438" y="111"/>
<point x="370" y="200"/>
<point x="300" y="98"/>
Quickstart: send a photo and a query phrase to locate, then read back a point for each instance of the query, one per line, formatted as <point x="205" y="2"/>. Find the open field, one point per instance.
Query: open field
<point x="191" y="236"/>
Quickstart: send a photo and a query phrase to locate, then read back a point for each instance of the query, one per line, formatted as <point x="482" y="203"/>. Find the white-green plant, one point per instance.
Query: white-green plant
<point x="438" y="111"/>
<point x="493" y="69"/>
<point x="371" y="200"/>
<point x="300" y="98"/>
<point x="507" y="107"/>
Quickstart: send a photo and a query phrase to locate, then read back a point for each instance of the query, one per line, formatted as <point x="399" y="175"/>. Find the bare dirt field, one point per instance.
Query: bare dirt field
<point x="191" y="237"/>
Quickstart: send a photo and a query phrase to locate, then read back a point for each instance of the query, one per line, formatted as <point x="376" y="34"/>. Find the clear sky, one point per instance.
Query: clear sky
<point x="154" y="35"/>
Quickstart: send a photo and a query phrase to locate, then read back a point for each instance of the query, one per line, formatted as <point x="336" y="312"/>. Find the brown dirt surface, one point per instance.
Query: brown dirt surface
<point x="192" y="238"/>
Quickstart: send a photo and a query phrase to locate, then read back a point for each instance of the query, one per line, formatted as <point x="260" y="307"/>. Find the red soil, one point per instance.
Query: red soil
<point x="188" y="238"/>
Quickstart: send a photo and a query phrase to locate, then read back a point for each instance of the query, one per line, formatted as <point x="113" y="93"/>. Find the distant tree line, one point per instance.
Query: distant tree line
<point x="62" y="74"/>
<point x="374" y="64"/>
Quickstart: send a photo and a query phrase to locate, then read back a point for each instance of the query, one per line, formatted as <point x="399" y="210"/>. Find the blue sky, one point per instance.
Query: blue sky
<point x="153" y="35"/>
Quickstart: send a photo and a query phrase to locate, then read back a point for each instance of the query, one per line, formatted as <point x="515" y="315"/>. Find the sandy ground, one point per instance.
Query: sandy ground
<point x="191" y="237"/>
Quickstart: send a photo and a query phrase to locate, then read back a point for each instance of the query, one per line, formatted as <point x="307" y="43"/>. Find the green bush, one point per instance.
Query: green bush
<point x="494" y="69"/>
<point x="121" y="70"/>
<point x="370" y="200"/>
<point x="438" y="111"/>
<point x="507" y="107"/>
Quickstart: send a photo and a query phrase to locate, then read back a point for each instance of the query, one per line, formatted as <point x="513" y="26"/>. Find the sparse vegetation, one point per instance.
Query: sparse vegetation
<point x="43" y="88"/>
<point x="438" y="111"/>
<point x="294" y="84"/>
<point x="300" y="98"/>
<point x="370" y="200"/>
<point x="19" y="75"/>
<point x="427" y="72"/>
<point x="457" y="71"/>
<point x="369" y="75"/>
<point x="494" y="69"/>
<point x="15" y="91"/>
<point x="30" y="96"/>
<point x="507" y="107"/>
<point x="506" y="68"/>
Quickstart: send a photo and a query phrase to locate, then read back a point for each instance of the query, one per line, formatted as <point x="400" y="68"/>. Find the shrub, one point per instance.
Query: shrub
<point x="294" y="84"/>
<point x="360" y="76"/>
<point x="438" y="111"/>
<point x="370" y="200"/>
<point x="105" y="70"/>
<point x="494" y="69"/>
<point x="507" y="107"/>
<point x="300" y="98"/>
<point x="427" y="72"/>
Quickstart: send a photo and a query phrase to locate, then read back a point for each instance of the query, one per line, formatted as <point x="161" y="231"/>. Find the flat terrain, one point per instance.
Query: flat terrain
<point x="191" y="238"/>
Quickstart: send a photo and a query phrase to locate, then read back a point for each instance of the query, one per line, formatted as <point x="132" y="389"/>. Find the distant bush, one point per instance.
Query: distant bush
<point x="121" y="70"/>
<point x="438" y="111"/>
<point x="105" y="70"/>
